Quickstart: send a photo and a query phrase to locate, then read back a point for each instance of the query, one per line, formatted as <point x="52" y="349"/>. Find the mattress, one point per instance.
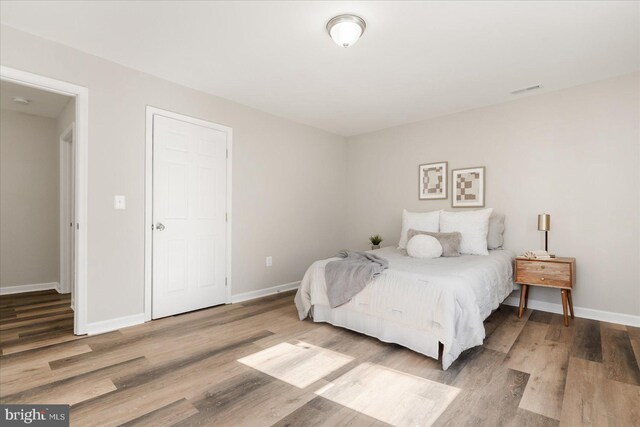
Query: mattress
<point x="445" y="298"/>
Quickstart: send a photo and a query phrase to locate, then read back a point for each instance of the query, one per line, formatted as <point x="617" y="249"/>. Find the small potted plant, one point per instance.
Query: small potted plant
<point x="375" y="241"/>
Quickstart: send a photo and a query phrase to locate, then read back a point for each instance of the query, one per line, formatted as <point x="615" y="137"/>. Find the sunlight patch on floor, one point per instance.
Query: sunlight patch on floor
<point x="299" y="364"/>
<point x="390" y="396"/>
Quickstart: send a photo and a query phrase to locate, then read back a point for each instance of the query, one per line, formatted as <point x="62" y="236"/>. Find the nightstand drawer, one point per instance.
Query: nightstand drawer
<point x="544" y="273"/>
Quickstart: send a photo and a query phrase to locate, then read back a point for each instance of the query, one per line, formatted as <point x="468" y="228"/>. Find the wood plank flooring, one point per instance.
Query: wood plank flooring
<point x="256" y="364"/>
<point x="34" y="319"/>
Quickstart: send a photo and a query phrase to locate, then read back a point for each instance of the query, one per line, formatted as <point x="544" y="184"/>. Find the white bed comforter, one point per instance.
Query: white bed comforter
<point x="448" y="297"/>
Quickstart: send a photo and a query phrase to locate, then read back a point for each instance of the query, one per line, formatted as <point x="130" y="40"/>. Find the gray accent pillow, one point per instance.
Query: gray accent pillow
<point x="495" y="237"/>
<point x="450" y="241"/>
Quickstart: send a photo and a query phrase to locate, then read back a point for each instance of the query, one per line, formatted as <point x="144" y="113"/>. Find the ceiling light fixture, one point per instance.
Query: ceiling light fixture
<point x="21" y="100"/>
<point x="345" y="30"/>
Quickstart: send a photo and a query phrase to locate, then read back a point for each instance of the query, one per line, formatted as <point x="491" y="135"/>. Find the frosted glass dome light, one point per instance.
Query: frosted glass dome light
<point x="345" y="30"/>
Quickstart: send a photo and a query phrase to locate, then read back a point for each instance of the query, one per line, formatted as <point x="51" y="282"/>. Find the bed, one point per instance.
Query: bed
<point x="418" y="303"/>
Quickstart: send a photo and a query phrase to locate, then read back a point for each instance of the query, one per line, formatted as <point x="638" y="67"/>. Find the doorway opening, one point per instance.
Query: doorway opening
<point x="43" y="198"/>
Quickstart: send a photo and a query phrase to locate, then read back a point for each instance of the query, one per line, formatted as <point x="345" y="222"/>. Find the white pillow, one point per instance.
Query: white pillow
<point x="424" y="246"/>
<point x="474" y="227"/>
<point x="421" y="221"/>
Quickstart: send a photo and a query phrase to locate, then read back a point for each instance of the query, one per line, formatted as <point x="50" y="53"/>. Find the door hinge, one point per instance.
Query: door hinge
<point x="226" y="217"/>
<point x="152" y="227"/>
<point x="78" y="226"/>
<point x="225" y="282"/>
<point x="227" y="153"/>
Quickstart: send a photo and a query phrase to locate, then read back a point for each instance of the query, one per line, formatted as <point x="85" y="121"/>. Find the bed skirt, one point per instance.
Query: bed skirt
<point x="385" y="330"/>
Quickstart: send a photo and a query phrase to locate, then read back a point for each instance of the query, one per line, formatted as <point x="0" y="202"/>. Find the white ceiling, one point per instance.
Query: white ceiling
<point x="43" y="103"/>
<point x="416" y="60"/>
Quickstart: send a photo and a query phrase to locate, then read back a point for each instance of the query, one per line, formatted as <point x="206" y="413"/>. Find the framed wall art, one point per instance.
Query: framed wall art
<point x="433" y="181"/>
<point x="468" y="187"/>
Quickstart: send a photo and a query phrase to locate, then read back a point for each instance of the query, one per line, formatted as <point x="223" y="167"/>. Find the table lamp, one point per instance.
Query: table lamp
<point x="544" y="224"/>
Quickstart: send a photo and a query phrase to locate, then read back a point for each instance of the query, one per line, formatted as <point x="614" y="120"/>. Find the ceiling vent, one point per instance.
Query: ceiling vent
<point x="526" y="89"/>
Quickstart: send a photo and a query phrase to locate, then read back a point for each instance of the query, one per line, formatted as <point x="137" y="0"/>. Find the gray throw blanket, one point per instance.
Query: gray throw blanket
<point x="348" y="276"/>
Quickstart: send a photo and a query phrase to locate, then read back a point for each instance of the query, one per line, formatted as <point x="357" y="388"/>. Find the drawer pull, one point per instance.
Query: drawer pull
<point x="542" y="278"/>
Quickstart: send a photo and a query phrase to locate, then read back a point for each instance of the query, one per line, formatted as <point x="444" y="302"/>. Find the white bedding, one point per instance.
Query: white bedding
<point x="447" y="298"/>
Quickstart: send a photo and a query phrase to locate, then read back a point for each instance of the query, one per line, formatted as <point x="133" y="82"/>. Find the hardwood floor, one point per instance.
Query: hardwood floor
<point x="34" y="319"/>
<point x="256" y="364"/>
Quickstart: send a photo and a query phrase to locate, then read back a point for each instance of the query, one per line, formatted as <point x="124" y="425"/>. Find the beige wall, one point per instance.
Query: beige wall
<point x="574" y="153"/>
<point x="29" y="248"/>
<point x="288" y="195"/>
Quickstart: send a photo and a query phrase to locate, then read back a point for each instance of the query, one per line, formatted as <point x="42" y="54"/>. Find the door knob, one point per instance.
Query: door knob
<point x="159" y="226"/>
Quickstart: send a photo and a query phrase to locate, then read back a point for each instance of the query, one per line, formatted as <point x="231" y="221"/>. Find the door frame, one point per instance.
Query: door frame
<point x="81" y="94"/>
<point x="148" y="199"/>
<point x="66" y="137"/>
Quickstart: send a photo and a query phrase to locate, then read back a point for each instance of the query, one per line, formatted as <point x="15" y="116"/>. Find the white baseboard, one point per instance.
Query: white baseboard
<point x="587" y="313"/>
<point x="60" y="290"/>
<point x="245" y="296"/>
<point x="110" y="325"/>
<point x="7" y="290"/>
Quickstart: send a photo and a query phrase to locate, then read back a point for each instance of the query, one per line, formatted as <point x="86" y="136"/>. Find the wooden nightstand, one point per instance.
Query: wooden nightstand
<point x="551" y="273"/>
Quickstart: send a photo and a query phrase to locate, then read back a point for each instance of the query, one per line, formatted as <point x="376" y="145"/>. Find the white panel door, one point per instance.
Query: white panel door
<point x="189" y="209"/>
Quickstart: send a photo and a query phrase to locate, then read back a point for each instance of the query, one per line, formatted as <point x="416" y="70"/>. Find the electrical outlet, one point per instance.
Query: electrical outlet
<point x="269" y="261"/>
